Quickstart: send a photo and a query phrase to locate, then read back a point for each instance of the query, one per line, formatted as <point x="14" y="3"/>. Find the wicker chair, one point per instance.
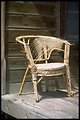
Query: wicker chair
<point x="38" y="50"/>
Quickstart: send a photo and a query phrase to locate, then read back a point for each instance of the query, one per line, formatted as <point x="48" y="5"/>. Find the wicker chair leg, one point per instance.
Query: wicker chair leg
<point x="36" y="91"/>
<point x="23" y="81"/>
<point x="68" y="80"/>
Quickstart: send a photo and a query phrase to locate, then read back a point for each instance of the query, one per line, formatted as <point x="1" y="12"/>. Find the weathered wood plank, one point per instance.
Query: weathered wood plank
<point x="16" y="75"/>
<point x="15" y="62"/>
<point x="30" y="14"/>
<point x="32" y="21"/>
<point x="14" y="87"/>
<point x="13" y="33"/>
<point x="51" y="107"/>
<point x="22" y="7"/>
<point x="14" y="48"/>
<point x="46" y="9"/>
<point x="21" y="113"/>
<point x="31" y="7"/>
<point x="25" y="21"/>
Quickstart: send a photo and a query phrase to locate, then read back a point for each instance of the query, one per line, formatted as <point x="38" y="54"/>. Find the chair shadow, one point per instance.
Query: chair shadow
<point x="53" y="94"/>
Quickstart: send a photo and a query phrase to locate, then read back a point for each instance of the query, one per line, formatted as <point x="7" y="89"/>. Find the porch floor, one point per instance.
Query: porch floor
<point x="53" y="104"/>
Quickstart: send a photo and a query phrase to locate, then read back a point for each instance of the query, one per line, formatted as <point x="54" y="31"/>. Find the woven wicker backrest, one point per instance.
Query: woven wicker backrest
<point x="44" y="46"/>
<point x="40" y="47"/>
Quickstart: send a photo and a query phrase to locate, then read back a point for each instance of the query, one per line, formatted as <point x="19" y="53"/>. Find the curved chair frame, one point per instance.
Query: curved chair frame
<point x="43" y="47"/>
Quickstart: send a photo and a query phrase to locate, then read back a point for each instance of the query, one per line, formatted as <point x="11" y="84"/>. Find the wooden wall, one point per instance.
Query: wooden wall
<point x="26" y="18"/>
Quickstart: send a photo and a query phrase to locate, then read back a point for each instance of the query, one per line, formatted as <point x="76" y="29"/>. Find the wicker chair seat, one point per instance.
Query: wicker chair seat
<point x="50" y="69"/>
